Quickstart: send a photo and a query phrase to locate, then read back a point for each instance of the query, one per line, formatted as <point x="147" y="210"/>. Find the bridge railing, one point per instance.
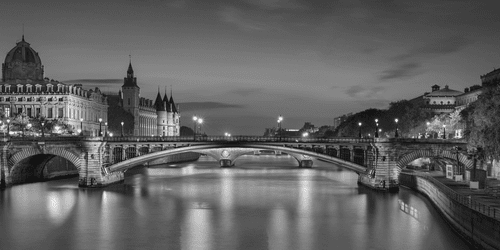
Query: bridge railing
<point x="460" y="198"/>
<point x="234" y="139"/>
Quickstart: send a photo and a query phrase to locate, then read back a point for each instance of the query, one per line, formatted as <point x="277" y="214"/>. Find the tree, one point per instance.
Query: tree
<point x="482" y="118"/>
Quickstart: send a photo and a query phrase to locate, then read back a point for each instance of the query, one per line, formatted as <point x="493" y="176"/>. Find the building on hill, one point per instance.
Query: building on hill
<point x="25" y="91"/>
<point x="146" y="118"/>
<point x="441" y="100"/>
<point x="491" y="78"/>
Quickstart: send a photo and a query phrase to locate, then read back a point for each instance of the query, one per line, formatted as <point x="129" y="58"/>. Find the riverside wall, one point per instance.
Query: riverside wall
<point x="480" y="230"/>
<point x="177" y="158"/>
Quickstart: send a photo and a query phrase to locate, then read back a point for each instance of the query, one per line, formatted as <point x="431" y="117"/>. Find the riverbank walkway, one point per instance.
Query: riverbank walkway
<point x="481" y="200"/>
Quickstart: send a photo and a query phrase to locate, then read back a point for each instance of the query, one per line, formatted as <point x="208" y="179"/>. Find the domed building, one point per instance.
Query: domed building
<point x="441" y="100"/>
<point x="24" y="91"/>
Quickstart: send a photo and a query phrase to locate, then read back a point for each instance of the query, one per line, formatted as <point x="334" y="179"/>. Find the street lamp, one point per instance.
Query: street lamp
<point x="444" y="131"/>
<point x="280" y="119"/>
<point x="100" y="125"/>
<point x="105" y="129"/>
<point x="110" y="134"/>
<point x="122" y="127"/>
<point x="376" y="130"/>
<point x="396" y="134"/>
<point x="81" y="126"/>
<point x="426" y="135"/>
<point x="200" y="121"/>
<point x="194" y="127"/>
<point x="28" y="126"/>
<point x="305" y="134"/>
<point x="8" y="127"/>
<point x="43" y="128"/>
<point x="359" y="125"/>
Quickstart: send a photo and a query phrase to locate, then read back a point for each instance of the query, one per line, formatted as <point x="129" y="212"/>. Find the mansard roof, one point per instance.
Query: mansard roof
<point x="445" y="92"/>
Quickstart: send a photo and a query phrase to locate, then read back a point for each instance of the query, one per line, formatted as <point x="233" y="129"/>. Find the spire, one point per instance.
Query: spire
<point x="174" y="108"/>
<point x="23" y="32"/>
<point x="165" y="97"/>
<point x="158" y="102"/>
<point x="130" y="71"/>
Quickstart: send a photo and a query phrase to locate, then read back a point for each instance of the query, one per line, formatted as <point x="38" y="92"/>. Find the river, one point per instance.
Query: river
<point x="265" y="202"/>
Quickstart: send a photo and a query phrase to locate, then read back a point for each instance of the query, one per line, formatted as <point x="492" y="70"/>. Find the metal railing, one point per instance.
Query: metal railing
<point x="465" y="200"/>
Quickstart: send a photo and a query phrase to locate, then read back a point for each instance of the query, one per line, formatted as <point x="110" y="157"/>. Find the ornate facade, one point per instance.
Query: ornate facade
<point x="25" y="91"/>
<point x="158" y="118"/>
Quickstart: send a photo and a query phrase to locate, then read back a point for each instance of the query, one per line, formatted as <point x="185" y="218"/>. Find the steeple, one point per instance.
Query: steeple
<point x="159" y="102"/>
<point x="130" y="80"/>
<point x="130" y="71"/>
<point x="174" y="108"/>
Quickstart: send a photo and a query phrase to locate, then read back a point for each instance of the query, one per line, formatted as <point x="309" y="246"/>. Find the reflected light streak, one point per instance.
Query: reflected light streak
<point x="305" y="206"/>
<point x="60" y="205"/>
<point x="197" y="230"/>
<point x="279" y="230"/>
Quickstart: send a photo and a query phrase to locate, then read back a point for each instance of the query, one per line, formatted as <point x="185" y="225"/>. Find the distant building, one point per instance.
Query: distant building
<point x="309" y="128"/>
<point x="158" y="118"/>
<point x="441" y="100"/>
<point x="491" y="78"/>
<point x="339" y="120"/>
<point x="25" y="91"/>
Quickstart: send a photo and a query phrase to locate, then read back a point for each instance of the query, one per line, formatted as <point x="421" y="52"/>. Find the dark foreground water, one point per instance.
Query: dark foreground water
<point x="264" y="203"/>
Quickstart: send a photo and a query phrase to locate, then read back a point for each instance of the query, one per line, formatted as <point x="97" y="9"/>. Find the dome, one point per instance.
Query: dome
<point x="22" y="62"/>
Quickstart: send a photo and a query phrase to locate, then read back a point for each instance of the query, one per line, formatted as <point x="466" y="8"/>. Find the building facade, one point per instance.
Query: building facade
<point x="24" y="91"/>
<point x="441" y="100"/>
<point x="158" y="118"/>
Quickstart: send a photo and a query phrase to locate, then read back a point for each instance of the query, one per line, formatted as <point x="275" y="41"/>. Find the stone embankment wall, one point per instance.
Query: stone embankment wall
<point x="182" y="157"/>
<point x="480" y="230"/>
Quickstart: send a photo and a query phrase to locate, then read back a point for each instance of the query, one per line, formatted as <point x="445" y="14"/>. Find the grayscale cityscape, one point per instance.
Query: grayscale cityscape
<point x="250" y="124"/>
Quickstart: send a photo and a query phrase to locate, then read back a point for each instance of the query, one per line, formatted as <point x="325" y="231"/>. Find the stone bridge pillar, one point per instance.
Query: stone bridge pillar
<point x="4" y="165"/>
<point x="93" y="173"/>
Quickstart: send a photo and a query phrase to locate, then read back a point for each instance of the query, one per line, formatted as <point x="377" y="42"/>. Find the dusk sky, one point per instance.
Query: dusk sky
<point x="241" y="64"/>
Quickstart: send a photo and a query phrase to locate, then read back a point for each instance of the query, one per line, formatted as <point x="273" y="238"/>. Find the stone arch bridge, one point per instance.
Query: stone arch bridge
<point x="101" y="161"/>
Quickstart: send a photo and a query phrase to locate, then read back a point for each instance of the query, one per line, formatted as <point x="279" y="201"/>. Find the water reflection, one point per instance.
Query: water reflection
<point x="256" y="205"/>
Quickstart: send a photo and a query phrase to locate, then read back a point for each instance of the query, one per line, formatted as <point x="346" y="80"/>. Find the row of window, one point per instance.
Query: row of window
<point x="7" y="88"/>
<point x="29" y="99"/>
<point x="434" y="102"/>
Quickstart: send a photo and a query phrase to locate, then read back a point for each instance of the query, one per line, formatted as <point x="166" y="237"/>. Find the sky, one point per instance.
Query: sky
<point x="240" y="64"/>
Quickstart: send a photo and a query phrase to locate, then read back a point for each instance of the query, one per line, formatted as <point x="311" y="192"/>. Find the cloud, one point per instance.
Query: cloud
<point x="276" y="4"/>
<point x="442" y="47"/>
<point x="239" y="18"/>
<point x="96" y="81"/>
<point x="359" y="91"/>
<point x="189" y="106"/>
<point x="402" y="71"/>
<point x="246" y="92"/>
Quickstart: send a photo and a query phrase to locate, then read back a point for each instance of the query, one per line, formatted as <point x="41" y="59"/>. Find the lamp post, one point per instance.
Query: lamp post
<point x="81" y="126"/>
<point x="280" y="119"/>
<point x="194" y="127"/>
<point x="426" y="135"/>
<point x="396" y="134"/>
<point x="376" y="129"/>
<point x="200" y="121"/>
<point x="28" y="126"/>
<point x="122" y="127"/>
<point x="105" y="129"/>
<point x="1" y="126"/>
<point x="43" y="128"/>
<point x="100" y="127"/>
<point x="359" y="125"/>
<point x="8" y="127"/>
<point x="444" y="131"/>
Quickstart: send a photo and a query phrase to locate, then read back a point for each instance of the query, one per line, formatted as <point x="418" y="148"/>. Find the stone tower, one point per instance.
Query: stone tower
<point x="131" y="93"/>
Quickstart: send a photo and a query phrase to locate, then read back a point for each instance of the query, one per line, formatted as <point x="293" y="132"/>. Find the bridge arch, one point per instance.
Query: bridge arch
<point x="421" y="153"/>
<point x="129" y="163"/>
<point x="30" y="164"/>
